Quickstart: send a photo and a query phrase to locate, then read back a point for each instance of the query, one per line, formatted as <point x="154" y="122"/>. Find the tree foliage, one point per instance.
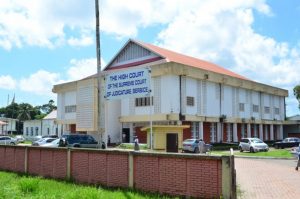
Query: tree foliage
<point x="297" y="94"/>
<point x="25" y="111"/>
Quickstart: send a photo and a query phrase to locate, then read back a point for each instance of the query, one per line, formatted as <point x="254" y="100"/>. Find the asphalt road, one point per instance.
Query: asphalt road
<point x="267" y="178"/>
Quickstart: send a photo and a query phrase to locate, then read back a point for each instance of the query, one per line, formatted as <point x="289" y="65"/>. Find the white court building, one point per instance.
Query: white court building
<point x="218" y="105"/>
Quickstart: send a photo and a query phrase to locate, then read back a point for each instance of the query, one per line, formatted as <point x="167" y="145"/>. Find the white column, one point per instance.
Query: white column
<point x="201" y="130"/>
<point x="255" y="130"/>
<point x="248" y="130"/>
<point x="235" y="137"/>
<point x="271" y="132"/>
<point x="261" y="134"/>
<point x="219" y="133"/>
<point x="194" y="129"/>
<point x="280" y="132"/>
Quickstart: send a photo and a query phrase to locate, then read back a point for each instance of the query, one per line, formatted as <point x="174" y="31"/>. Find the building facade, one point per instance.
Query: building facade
<point x="217" y="104"/>
<point x="46" y="126"/>
<point x="8" y="126"/>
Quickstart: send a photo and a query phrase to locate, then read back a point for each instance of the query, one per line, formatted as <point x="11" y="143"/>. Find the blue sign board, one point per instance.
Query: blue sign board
<point x="128" y="83"/>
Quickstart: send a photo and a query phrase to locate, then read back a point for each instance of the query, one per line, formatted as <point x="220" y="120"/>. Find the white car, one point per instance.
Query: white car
<point x="42" y="141"/>
<point x="252" y="145"/>
<point x="54" y="143"/>
<point x="20" y="138"/>
<point x="6" y="140"/>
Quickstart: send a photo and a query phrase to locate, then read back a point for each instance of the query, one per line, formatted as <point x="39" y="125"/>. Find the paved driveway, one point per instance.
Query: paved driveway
<point x="267" y="178"/>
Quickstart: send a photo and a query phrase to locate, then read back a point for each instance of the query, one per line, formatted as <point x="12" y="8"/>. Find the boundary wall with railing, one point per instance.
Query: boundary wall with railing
<point x="200" y="176"/>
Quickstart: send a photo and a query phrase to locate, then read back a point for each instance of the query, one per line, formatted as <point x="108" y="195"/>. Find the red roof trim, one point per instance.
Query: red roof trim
<point x="135" y="63"/>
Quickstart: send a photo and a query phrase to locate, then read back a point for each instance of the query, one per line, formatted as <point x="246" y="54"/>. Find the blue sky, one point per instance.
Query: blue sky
<point x="52" y="41"/>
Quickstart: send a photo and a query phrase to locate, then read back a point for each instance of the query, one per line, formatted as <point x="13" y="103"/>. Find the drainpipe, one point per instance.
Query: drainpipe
<point x="180" y="101"/>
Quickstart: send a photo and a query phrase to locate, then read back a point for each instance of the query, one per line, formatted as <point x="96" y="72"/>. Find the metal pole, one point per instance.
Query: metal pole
<point x="98" y="52"/>
<point x="151" y="123"/>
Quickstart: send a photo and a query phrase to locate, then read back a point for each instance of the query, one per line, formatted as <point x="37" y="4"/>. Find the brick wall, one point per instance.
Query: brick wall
<point x="171" y="174"/>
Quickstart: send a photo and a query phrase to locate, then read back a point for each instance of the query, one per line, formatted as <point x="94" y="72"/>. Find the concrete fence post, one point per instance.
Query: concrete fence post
<point x="68" y="164"/>
<point x="130" y="169"/>
<point x="228" y="177"/>
<point x="26" y="160"/>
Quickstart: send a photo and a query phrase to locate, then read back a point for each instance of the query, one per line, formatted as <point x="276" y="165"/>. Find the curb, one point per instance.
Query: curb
<point x="259" y="157"/>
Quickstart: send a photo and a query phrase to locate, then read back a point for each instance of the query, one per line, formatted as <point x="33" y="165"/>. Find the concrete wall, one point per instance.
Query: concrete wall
<point x="197" y="176"/>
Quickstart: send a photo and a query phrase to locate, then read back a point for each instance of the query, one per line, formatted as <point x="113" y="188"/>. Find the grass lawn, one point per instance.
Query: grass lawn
<point x="278" y="153"/>
<point x="16" y="186"/>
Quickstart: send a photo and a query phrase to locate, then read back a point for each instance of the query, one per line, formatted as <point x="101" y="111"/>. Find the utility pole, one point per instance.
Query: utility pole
<point x="98" y="52"/>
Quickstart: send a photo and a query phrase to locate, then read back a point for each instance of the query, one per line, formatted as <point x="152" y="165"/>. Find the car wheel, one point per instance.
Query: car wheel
<point x="241" y="150"/>
<point x="251" y="150"/>
<point x="76" y="146"/>
<point x="196" y="150"/>
<point x="12" y="143"/>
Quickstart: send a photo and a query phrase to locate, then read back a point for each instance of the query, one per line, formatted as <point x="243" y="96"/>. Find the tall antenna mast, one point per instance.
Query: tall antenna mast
<point x="98" y="51"/>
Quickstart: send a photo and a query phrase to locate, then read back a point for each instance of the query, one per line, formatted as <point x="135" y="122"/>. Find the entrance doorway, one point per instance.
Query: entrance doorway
<point x="126" y="135"/>
<point x="172" y="142"/>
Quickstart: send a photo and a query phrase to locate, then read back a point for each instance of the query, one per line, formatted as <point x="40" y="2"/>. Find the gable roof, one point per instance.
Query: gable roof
<point x="171" y="56"/>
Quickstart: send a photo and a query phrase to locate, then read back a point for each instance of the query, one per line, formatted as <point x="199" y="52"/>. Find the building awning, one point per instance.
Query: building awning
<point x="166" y="127"/>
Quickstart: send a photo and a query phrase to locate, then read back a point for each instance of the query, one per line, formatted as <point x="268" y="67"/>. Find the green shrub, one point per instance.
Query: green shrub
<point x="224" y="146"/>
<point x="29" y="185"/>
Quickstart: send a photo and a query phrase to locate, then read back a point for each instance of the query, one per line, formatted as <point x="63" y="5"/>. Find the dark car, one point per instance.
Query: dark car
<point x="287" y="142"/>
<point x="193" y="145"/>
<point x="79" y="140"/>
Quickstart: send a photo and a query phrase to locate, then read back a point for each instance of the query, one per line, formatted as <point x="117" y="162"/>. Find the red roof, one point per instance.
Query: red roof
<point x="172" y="56"/>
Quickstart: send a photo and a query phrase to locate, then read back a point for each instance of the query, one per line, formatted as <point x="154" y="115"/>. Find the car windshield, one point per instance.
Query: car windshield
<point x="256" y="141"/>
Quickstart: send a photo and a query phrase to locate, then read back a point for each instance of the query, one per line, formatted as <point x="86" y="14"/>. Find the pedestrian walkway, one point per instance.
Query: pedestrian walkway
<point x="267" y="178"/>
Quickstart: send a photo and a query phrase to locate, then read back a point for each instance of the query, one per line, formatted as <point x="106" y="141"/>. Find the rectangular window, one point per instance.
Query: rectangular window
<point x="70" y="109"/>
<point x="27" y="131"/>
<point x="242" y="107"/>
<point x="267" y="109"/>
<point x="190" y="101"/>
<point x="31" y="131"/>
<point x="276" y="111"/>
<point x="36" y="130"/>
<point x="255" y="108"/>
<point x="143" y="101"/>
<point x="48" y="131"/>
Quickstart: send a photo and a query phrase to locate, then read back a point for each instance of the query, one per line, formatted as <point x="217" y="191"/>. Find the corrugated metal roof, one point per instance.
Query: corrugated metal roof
<point x="172" y="56"/>
<point x="51" y="115"/>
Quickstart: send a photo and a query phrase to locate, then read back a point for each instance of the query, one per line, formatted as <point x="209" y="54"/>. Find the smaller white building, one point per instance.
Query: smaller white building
<point x="46" y="126"/>
<point x="9" y="125"/>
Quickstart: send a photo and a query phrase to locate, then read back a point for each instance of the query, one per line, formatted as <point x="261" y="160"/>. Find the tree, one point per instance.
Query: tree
<point x="297" y="94"/>
<point x="48" y="108"/>
<point x="24" y="112"/>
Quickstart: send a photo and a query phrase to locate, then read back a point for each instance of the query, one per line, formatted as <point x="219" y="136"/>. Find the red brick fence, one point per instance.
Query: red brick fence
<point x="173" y="174"/>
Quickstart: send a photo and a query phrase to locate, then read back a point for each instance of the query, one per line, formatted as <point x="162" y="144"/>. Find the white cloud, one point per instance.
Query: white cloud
<point x="83" y="41"/>
<point x="7" y="82"/>
<point x="82" y="68"/>
<point x="44" y="23"/>
<point x="39" y="83"/>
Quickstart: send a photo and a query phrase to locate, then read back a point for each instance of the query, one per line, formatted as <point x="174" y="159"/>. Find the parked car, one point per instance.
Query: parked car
<point x="54" y="143"/>
<point x="192" y="145"/>
<point x="42" y="141"/>
<point x="79" y="140"/>
<point x="49" y="136"/>
<point x="20" y="138"/>
<point x="7" y="140"/>
<point x="252" y="145"/>
<point x="287" y="142"/>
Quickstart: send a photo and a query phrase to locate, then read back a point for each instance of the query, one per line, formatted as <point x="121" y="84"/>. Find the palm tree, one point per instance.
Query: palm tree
<point x="24" y="111"/>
